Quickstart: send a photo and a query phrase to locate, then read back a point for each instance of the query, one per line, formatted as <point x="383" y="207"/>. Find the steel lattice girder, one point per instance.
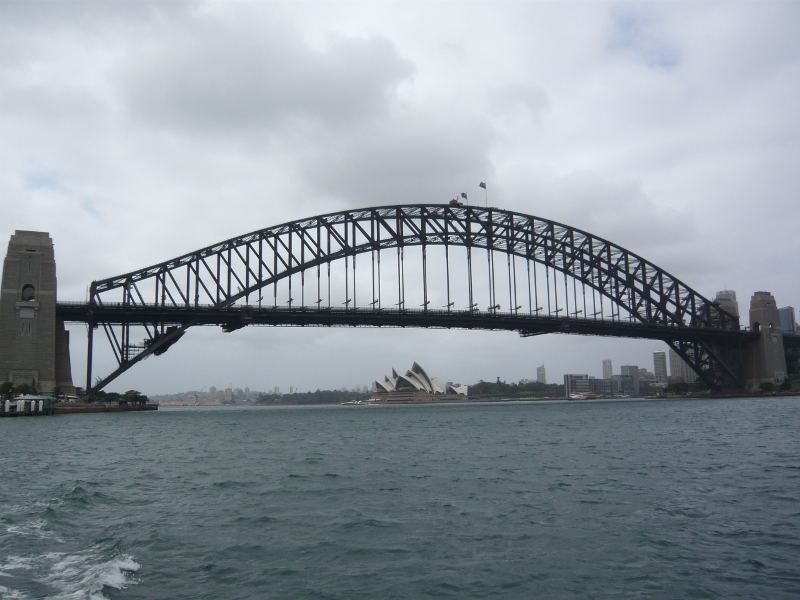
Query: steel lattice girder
<point x="645" y="290"/>
<point x="225" y="273"/>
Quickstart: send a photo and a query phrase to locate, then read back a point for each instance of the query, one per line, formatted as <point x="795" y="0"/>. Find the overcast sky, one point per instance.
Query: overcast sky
<point x="135" y="131"/>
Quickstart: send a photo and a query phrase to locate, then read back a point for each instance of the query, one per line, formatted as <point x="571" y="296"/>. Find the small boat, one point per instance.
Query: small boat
<point x="577" y="397"/>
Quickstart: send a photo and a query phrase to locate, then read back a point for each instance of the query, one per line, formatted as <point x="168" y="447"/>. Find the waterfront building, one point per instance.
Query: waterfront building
<point x="601" y="386"/>
<point x="622" y="384"/>
<point x="541" y="374"/>
<point x="648" y="385"/>
<point x="633" y="372"/>
<point x="584" y="384"/>
<point x="576" y="384"/>
<point x="607" y="370"/>
<point x="660" y="367"/>
<point x="416" y="386"/>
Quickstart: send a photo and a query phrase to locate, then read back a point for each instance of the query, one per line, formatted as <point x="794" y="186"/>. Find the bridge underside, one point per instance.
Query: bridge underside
<point x="708" y="350"/>
<point x="235" y="317"/>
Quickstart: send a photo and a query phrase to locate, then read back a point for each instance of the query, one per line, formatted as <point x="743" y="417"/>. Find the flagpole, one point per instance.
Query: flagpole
<point x="485" y="193"/>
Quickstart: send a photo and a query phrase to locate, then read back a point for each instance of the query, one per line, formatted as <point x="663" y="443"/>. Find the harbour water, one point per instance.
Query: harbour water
<point x="616" y="499"/>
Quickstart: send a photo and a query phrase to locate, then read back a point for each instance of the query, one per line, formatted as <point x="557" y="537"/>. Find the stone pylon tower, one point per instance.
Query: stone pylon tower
<point x="766" y="360"/>
<point x="34" y="345"/>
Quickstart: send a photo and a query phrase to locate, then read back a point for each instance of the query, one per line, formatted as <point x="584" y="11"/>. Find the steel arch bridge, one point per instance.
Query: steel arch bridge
<point x="549" y="276"/>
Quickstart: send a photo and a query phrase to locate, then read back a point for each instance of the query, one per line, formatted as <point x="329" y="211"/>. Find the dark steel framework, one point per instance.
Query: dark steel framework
<point x="225" y="284"/>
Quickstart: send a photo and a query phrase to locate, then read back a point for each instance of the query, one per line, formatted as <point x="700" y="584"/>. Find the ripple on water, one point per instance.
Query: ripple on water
<point x="602" y="500"/>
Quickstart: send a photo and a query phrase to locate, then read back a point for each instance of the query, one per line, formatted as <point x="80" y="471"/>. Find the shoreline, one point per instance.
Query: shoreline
<point x="487" y="400"/>
<point x="79" y="409"/>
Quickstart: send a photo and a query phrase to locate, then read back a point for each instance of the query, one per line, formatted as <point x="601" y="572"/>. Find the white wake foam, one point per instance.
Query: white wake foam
<point x="83" y="576"/>
<point x="9" y="594"/>
<point x="35" y="528"/>
<point x="72" y="576"/>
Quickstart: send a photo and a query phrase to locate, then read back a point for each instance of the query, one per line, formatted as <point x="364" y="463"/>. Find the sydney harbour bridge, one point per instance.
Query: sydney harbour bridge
<point x="432" y="266"/>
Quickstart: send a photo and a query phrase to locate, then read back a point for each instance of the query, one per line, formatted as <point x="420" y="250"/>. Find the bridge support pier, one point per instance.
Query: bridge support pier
<point x="765" y="357"/>
<point x="34" y="344"/>
<point x="89" y="353"/>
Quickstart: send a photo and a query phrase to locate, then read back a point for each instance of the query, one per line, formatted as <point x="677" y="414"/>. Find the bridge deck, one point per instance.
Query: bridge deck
<point x="236" y="317"/>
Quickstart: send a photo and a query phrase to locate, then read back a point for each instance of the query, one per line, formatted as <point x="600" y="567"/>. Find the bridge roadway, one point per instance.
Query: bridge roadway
<point x="235" y="317"/>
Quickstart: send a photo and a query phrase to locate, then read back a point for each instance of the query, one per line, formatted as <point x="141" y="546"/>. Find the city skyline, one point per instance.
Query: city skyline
<point x="678" y="373"/>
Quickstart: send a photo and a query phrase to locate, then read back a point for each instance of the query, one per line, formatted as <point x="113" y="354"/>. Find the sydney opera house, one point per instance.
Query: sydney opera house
<point x="417" y="386"/>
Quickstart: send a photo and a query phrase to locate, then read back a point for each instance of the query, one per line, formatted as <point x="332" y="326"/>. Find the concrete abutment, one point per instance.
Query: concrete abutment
<point x="765" y="357"/>
<point x="34" y="344"/>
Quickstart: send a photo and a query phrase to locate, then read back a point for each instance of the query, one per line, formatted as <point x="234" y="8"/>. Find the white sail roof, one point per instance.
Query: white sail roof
<point x="417" y="379"/>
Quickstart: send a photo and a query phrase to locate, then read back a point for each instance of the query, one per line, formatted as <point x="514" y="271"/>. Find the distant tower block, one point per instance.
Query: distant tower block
<point x="660" y="366"/>
<point x="766" y="361"/>
<point x="34" y="345"/>
<point x="727" y="301"/>
<point x="608" y="371"/>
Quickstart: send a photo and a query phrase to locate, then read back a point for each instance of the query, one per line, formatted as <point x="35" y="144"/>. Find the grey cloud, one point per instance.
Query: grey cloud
<point x="620" y="212"/>
<point x="428" y="157"/>
<point x="229" y="76"/>
<point x="511" y="97"/>
<point x="637" y="32"/>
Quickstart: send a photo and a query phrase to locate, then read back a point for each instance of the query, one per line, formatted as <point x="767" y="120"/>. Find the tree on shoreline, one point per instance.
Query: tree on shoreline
<point x="129" y="397"/>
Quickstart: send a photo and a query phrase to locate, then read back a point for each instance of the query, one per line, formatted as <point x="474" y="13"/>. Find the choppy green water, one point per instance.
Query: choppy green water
<point x="636" y="499"/>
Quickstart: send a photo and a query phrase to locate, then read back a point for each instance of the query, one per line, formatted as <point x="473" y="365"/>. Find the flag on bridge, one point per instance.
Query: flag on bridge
<point x="482" y="184"/>
<point x="464" y="195"/>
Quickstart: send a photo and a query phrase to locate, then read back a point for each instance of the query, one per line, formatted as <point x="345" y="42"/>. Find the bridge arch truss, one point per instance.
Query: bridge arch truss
<point x="539" y="270"/>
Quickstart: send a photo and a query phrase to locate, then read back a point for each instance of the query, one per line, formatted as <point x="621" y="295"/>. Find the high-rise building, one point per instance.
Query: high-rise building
<point x="633" y="372"/>
<point x="607" y="370"/>
<point x="727" y="301"/>
<point x="788" y="324"/>
<point x="660" y="367"/>
<point x="541" y="374"/>
<point x="680" y="372"/>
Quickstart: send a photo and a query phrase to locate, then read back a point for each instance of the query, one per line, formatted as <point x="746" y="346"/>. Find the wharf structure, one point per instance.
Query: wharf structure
<point x="28" y="406"/>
